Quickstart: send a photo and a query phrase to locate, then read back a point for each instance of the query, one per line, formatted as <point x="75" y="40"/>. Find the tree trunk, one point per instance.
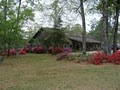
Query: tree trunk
<point x="105" y="26"/>
<point x="5" y="20"/>
<point x="84" y="27"/>
<point x="18" y="13"/>
<point x="115" y="30"/>
<point x="9" y="45"/>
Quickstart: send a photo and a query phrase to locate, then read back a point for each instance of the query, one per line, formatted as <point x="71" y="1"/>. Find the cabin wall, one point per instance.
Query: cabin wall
<point x="75" y="45"/>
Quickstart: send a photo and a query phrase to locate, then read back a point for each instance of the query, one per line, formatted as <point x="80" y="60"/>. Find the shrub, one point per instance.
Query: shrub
<point x="97" y="58"/>
<point x="116" y="57"/>
<point x="39" y="50"/>
<point x="57" y="50"/>
<point x="68" y="50"/>
<point x="22" y="52"/>
<point x="27" y="49"/>
<point x="72" y="57"/>
<point x="109" y="58"/>
<point x="13" y="52"/>
<point x="61" y="56"/>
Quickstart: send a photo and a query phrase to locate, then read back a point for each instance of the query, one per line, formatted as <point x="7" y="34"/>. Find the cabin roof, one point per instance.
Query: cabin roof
<point x="79" y="39"/>
<point x="71" y="35"/>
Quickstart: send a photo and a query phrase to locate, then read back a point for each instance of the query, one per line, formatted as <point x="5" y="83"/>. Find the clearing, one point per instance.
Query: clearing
<point x="43" y="72"/>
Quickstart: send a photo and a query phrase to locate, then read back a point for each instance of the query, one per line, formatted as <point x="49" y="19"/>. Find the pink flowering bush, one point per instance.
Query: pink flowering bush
<point x="68" y="50"/>
<point x="27" y="49"/>
<point x="13" y="52"/>
<point x="22" y="52"/>
<point x="39" y="50"/>
<point x="56" y="50"/>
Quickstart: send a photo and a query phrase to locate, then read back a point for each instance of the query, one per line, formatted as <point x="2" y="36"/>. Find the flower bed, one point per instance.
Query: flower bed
<point x="56" y="50"/>
<point x="22" y="52"/>
<point x="99" y="57"/>
<point x="39" y="50"/>
<point x="27" y="49"/>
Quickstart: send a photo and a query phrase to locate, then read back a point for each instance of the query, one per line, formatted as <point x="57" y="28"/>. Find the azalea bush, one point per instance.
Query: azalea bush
<point x="13" y="52"/>
<point x="97" y="58"/>
<point x="57" y="50"/>
<point x="27" y="49"/>
<point x="22" y="52"/>
<point x="39" y="50"/>
<point x="114" y="58"/>
<point x="68" y="50"/>
<point x="72" y="57"/>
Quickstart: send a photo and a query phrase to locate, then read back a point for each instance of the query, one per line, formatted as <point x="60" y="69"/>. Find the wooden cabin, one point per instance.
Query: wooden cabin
<point x="75" y="39"/>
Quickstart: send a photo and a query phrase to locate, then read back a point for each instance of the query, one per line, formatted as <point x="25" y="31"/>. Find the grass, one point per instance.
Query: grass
<point x="42" y="72"/>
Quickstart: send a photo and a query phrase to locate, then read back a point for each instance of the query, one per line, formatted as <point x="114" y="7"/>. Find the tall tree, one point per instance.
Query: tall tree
<point x="16" y="27"/>
<point x="105" y="26"/>
<point x="77" y="6"/>
<point x="84" y="26"/>
<point x="15" y="15"/>
<point x="115" y="31"/>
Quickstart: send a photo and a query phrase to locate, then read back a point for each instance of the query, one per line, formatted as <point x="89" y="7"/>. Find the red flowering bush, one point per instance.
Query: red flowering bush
<point x="116" y="57"/>
<point x="22" y="52"/>
<point x="109" y="58"/>
<point x="56" y="50"/>
<point x="97" y="58"/>
<point x="39" y="50"/>
<point x="13" y="52"/>
<point x="27" y="49"/>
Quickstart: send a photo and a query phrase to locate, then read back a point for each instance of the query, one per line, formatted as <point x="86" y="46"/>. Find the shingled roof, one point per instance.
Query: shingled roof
<point x="71" y="35"/>
<point x="79" y="39"/>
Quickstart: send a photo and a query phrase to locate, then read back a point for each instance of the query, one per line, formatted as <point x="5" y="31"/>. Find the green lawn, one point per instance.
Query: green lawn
<point x="43" y="72"/>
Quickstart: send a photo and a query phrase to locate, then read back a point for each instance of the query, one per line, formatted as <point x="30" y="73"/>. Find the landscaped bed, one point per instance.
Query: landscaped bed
<point x="43" y="72"/>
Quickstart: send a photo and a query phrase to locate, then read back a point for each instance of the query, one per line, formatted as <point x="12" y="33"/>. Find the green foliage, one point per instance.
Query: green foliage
<point x="27" y="14"/>
<point x="96" y="31"/>
<point x="13" y="15"/>
<point x="55" y="37"/>
<point x="77" y="28"/>
<point x="78" y="57"/>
